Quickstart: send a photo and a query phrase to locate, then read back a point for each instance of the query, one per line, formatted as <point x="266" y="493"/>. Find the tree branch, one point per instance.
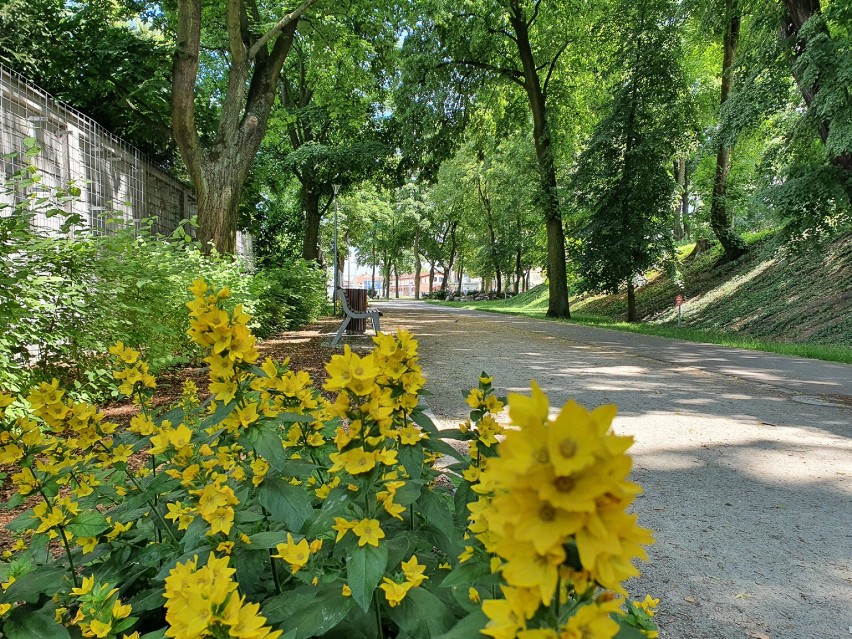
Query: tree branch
<point x="553" y="65"/>
<point x="535" y="13"/>
<point x="184" y="74"/>
<point x="510" y="74"/>
<point x="279" y="26"/>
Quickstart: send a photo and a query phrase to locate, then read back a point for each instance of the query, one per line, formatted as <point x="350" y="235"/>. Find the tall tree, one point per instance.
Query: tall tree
<point x="624" y="181"/>
<point x="521" y="42"/>
<point x="256" y="53"/>
<point x="720" y="217"/>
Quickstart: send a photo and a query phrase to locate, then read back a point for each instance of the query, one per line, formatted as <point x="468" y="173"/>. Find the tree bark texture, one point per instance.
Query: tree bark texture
<point x="418" y="267"/>
<point x="720" y="216"/>
<point x="558" y="305"/>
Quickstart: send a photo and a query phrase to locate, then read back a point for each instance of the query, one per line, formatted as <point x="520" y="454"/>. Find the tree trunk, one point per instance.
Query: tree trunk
<point x="313" y="217"/>
<point x="396" y="280"/>
<point x="556" y="267"/>
<point x="798" y="12"/>
<point x="373" y="276"/>
<point x="460" y="275"/>
<point x="680" y="177"/>
<point x="684" y="203"/>
<point x="219" y="168"/>
<point x="720" y="216"/>
<point x="418" y="266"/>
<point x="431" y="277"/>
<point x="631" y="301"/>
<point x="449" y="270"/>
<point x="519" y="272"/>
<point x="218" y="199"/>
<point x="386" y="269"/>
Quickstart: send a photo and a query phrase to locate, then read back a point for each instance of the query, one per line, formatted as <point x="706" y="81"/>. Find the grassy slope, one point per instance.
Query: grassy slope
<point x="770" y="299"/>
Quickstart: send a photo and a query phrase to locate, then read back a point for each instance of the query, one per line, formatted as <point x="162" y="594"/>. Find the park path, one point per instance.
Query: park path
<point x="745" y="459"/>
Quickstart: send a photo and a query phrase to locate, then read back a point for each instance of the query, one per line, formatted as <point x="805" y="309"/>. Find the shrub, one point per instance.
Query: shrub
<point x="67" y="295"/>
<point x="268" y="509"/>
<point x="288" y="296"/>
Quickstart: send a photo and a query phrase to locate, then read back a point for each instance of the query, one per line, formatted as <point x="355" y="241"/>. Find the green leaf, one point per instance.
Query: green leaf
<point x="24" y="623"/>
<point x="268" y="539"/>
<point x="464" y="495"/>
<point x="43" y="580"/>
<point x="465" y="574"/>
<point x="422" y="615"/>
<point x="424" y="421"/>
<point x="468" y="627"/>
<point x="292" y="418"/>
<point x="89" y="523"/>
<point x="266" y="442"/>
<point x="289" y="505"/>
<point x="409" y="493"/>
<point x="411" y="458"/>
<point x="319" y="616"/>
<point x="627" y="632"/>
<point x="364" y="569"/>
<point x="440" y="446"/>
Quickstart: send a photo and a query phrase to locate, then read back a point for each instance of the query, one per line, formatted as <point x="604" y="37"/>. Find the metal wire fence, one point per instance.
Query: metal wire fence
<point x="118" y="185"/>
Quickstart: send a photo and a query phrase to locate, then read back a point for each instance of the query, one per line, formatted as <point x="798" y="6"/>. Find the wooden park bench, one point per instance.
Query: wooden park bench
<point x="350" y="315"/>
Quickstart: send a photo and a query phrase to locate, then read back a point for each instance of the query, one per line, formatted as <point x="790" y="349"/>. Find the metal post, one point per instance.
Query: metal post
<point x="335" y="188"/>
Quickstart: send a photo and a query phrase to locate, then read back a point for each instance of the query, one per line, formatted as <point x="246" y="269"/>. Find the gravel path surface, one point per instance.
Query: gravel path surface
<point x="748" y="484"/>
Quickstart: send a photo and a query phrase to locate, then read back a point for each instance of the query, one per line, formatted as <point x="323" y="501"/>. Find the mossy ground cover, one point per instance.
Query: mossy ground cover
<point x="774" y="299"/>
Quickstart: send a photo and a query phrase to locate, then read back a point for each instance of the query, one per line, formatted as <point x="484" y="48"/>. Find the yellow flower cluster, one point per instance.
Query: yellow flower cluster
<point x="297" y="554"/>
<point x="555" y="485"/>
<point x="204" y="601"/>
<point x="100" y="613"/>
<point x="225" y="335"/>
<point x="376" y="395"/>
<point x="132" y="371"/>
<point x="483" y="427"/>
<point x="412" y="576"/>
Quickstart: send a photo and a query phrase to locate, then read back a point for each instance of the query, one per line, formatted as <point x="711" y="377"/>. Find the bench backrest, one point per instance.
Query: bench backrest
<point x="341" y="295"/>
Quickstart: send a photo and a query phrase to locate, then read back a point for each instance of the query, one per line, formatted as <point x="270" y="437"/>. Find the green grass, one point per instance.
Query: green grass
<point x="812" y="351"/>
<point x="770" y="300"/>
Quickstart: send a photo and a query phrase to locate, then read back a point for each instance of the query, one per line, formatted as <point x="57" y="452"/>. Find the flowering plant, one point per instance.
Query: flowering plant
<point x="268" y="511"/>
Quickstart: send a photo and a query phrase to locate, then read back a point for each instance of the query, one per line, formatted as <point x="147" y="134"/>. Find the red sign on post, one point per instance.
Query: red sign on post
<point x="679" y="300"/>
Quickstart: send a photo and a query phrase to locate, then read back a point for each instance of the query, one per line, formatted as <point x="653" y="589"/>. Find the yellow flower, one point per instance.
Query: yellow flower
<point x="394" y="592"/>
<point x="592" y="621"/>
<point x="259" y="468"/>
<point x="120" y="610"/>
<point x="125" y="354"/>
<point x="99" y="628"/>
<point x="649" y="605"/>
<point x="473" y="593"/>
<point x="295" y="554"/>
<point x="493" y="405"/>
<point x="466" y="554"/>
<point x="25" y="481"/>
<point x="346" y="591"/>
<point x="88" y="544"/>
<point x="5" y="608"/>
<point x="475" y="399"/>
<point x="414" y="571"/>
<point x="84" y="588"/>
<point x="354" y="461"/>
<point x="341" y="527"/>
<point x="369" y="532"/>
